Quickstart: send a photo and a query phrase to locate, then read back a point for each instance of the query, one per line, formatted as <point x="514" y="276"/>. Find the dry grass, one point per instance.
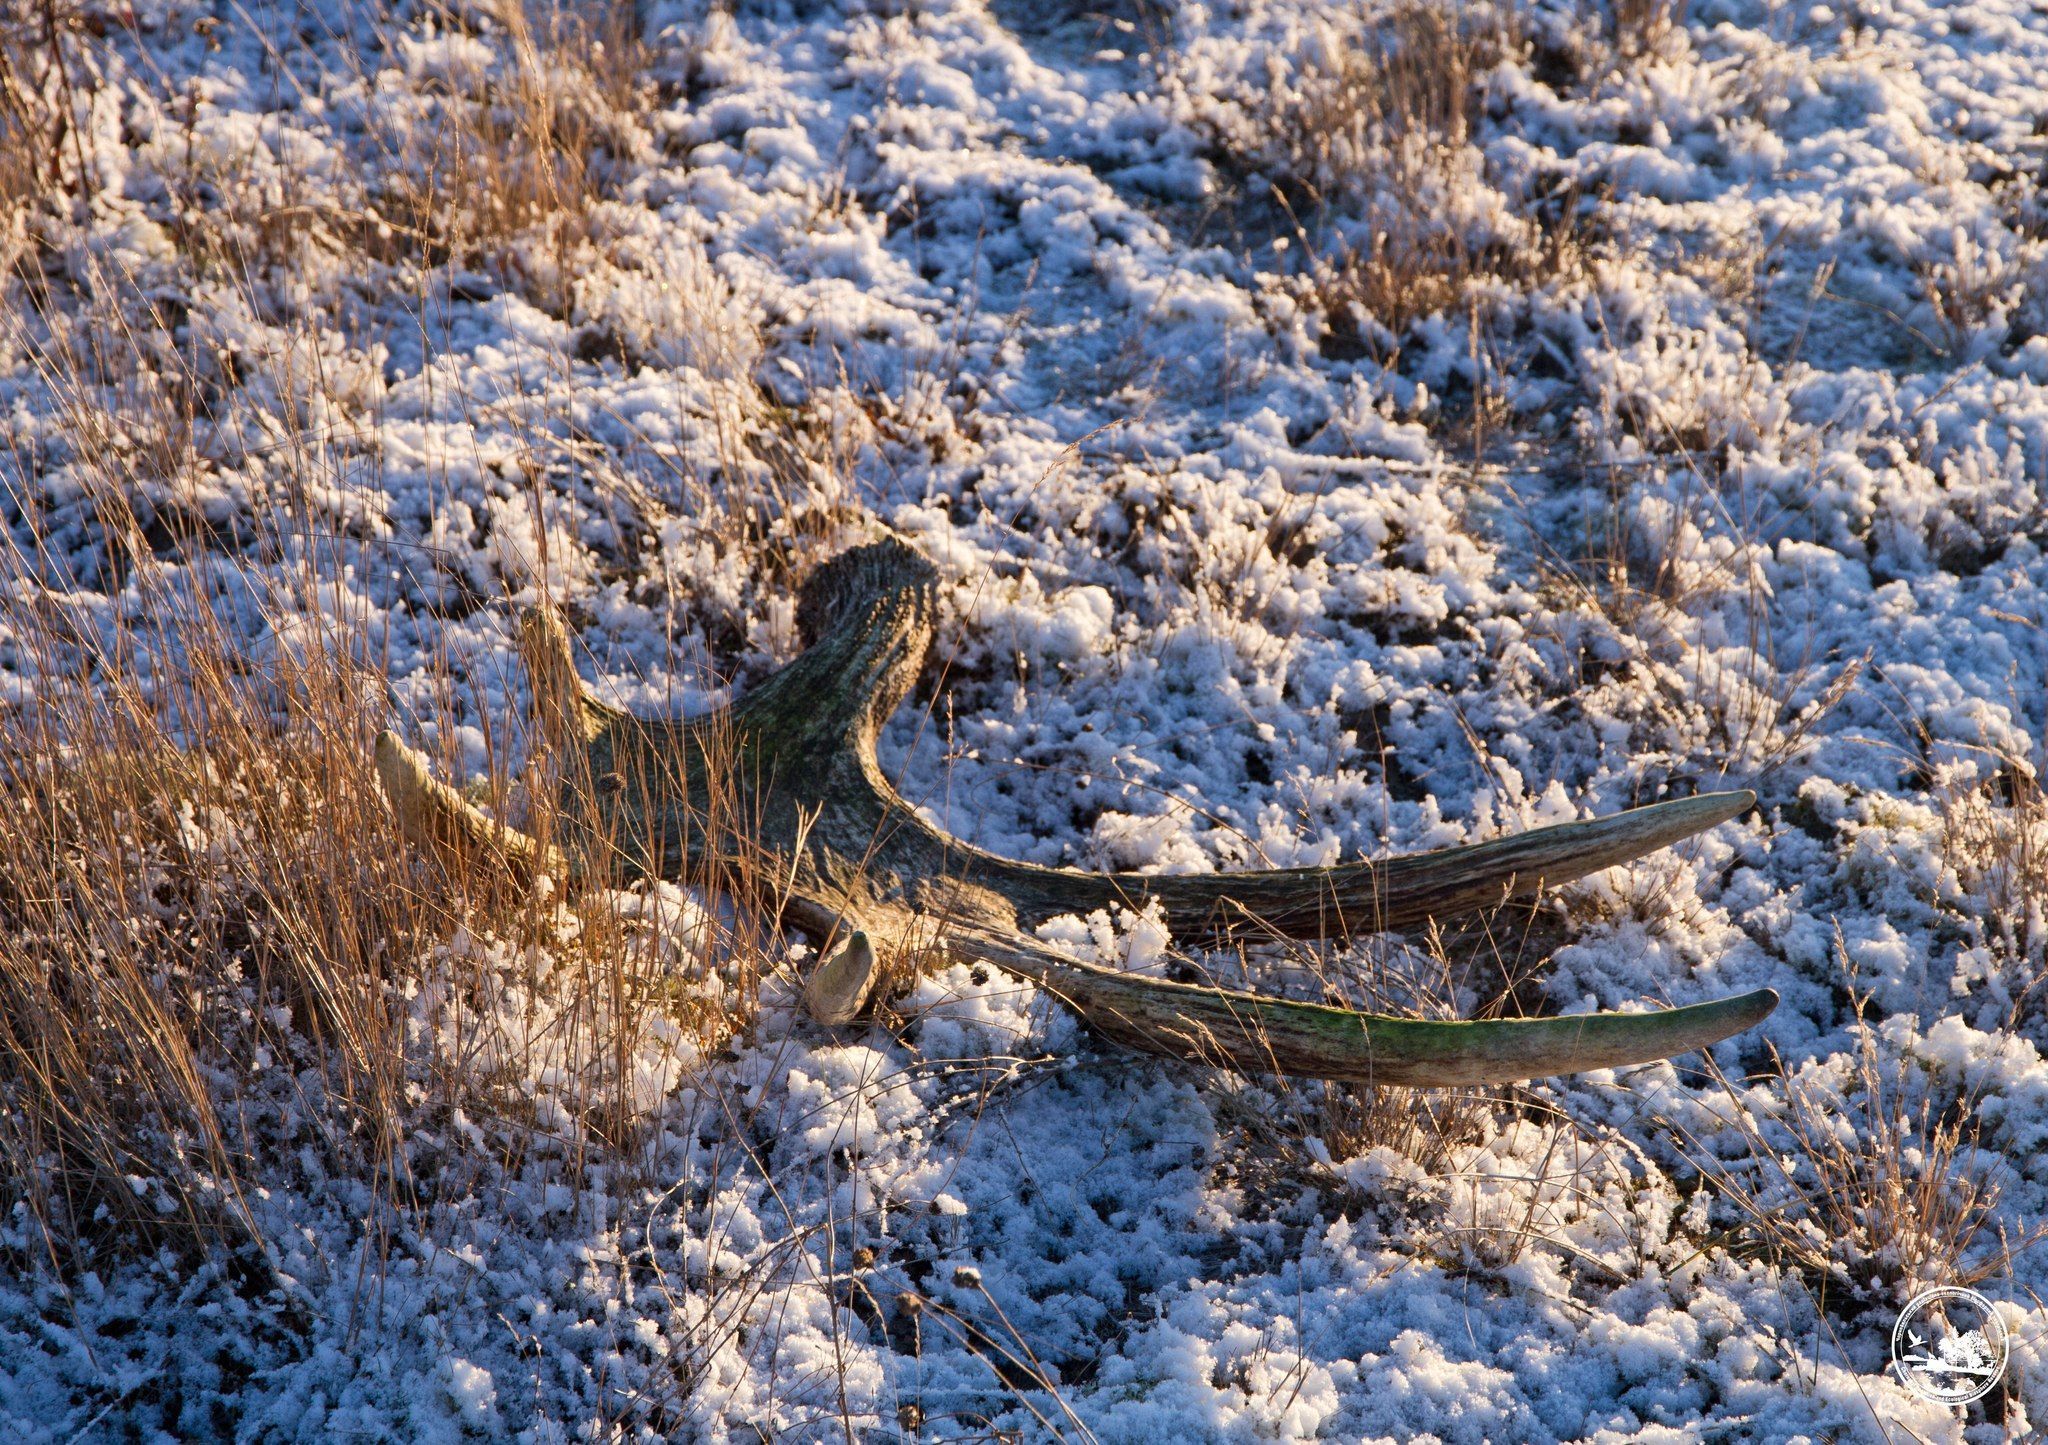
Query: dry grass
<point x="1385" y="93"/>
<point x="187" y="837"/>
<point x="181" y="862"/>
<point x="1996" y="839"/>
<point x="520" y="155"/>
<point x="1370" y="147"/>
<point x="1639" y="28"/>
<point x="38" y="145"/>
<point x="1860" y="1180"/>
<point x="1994" y="843"/>
<point x="983" y="1331"/>
<point x="1641" y="562"/>
<point x="1968" y="290"/>
<point x="208" y="927"/>
<point x="1307" y="1124"/>
<point x="205" y="903"/>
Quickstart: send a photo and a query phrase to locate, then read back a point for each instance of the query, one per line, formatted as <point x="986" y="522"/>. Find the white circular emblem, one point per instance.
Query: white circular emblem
<point x="1949" y="1345"/>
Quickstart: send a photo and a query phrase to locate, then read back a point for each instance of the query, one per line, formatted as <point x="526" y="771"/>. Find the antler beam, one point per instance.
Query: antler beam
<point x="850" y="860"/>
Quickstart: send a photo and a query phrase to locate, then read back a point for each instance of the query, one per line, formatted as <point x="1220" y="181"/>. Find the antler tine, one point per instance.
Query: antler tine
<point x="1257" y="1034"/>
<point x="1373" y="897"/>
<point x="567" y="715"/>
<point x="840" y="987"/>
<point x="433" y="814"/>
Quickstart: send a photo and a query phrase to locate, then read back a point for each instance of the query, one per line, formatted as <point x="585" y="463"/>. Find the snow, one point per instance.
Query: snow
<point x="1214" y="597"/>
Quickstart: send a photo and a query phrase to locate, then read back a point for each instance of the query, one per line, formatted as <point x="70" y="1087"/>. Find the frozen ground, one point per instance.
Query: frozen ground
<point x="1749" y="495"/>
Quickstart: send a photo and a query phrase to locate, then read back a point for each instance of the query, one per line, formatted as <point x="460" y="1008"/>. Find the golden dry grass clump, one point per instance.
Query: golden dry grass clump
<point x="207" y="921"/>
<point x="1368" y="138"/>
<point x="214" y="952"/>
<point x="516" y="157"/>
<point x="1861" y="1175"/>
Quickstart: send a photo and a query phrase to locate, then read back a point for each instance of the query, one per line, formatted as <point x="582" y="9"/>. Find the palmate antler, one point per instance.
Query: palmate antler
<point x="846" y="859"/>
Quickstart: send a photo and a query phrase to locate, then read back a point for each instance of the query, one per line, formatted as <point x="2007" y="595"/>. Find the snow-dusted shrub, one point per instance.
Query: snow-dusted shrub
<point x="1363" y="123"/>
<point x="1866" y="1173"/>
<point x="1994" y="887"/>
<point x="505" y="132"/>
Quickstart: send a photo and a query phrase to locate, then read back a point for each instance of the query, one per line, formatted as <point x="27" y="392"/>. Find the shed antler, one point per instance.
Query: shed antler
<point x="852" y="862"/>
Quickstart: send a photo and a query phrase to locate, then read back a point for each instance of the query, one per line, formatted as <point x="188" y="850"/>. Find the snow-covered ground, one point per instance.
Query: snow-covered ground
<point x="1744" y="491"/>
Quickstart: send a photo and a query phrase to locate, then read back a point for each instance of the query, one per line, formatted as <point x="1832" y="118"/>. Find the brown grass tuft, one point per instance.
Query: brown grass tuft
<point x="1370" y="146"/>
<point x="180" y="862"/>
<point x="215" y="951"/>
<point x="519" y="156"/>
<point x="1639" y="28"/>
<point x="1856" y="1177"/>
<point x="40" y="151"/>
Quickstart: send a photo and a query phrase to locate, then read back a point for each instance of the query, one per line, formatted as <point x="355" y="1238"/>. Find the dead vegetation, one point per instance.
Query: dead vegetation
<point x="1368" y="145"/>
<point x="1295" y="1138"/>
<point x="1994" y="845"/>
<point x="174" y="856"/>
<point x="1861" y="1175"/>
<point x="41" y="153"/>
<point x="1408" y="1153"/>
<point x="1972" y="294"/>
<point x="203" y="919"/>
<point x="1390" y="122"/>
<point x="521" y="152"/>
<point x="1639" y="28"/>
<point x="212" y="956"/>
